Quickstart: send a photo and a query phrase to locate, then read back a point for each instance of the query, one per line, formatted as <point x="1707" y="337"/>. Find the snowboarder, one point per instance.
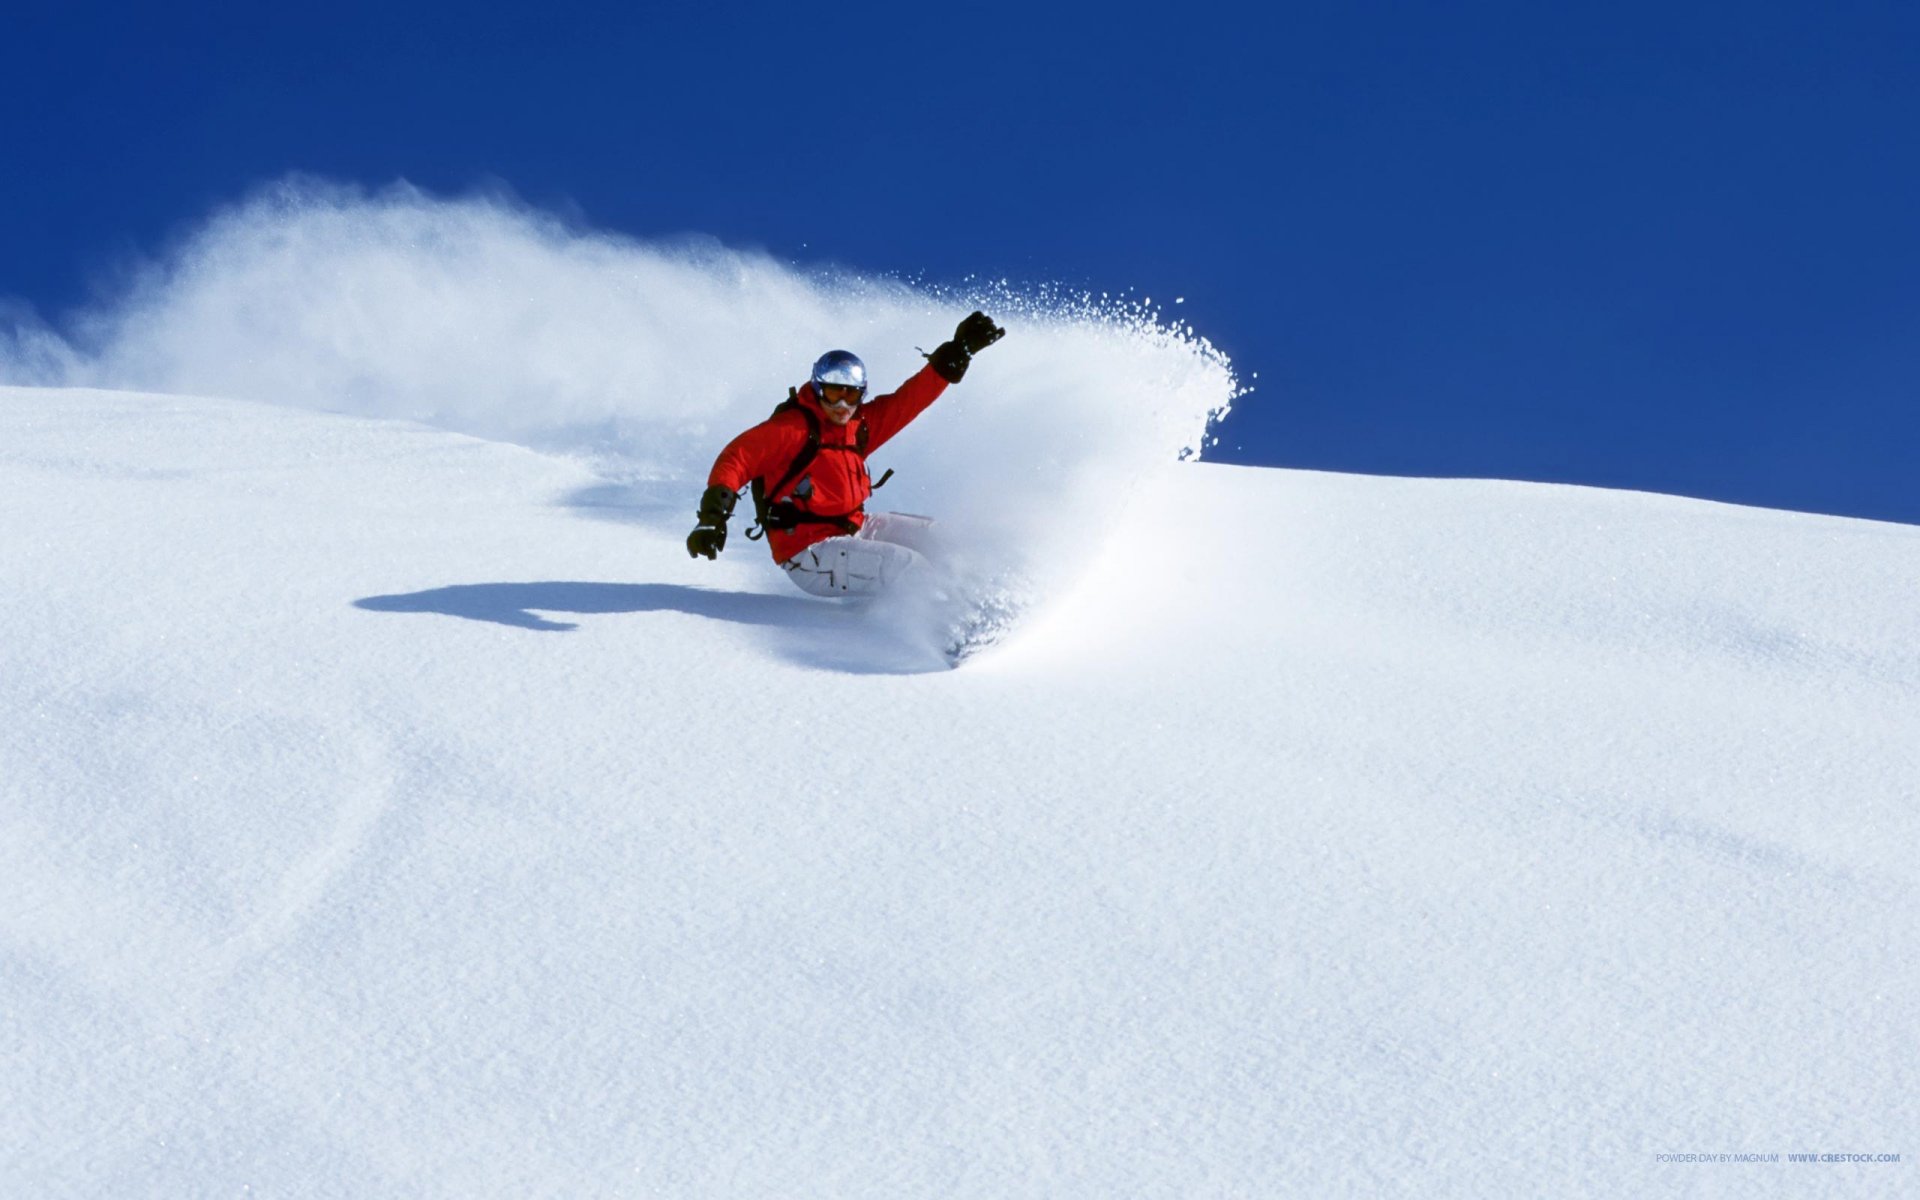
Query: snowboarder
<point x="808" y="467"/>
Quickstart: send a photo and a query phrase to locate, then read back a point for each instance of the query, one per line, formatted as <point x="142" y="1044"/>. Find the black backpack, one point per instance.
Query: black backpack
<point x="770" y="513"/>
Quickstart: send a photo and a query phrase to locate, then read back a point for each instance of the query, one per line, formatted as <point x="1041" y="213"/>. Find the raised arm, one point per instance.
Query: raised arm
<point x="946" y="365"/>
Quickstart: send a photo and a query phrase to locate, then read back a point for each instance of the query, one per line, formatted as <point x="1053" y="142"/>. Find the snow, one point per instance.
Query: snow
<point x="389" y="806"/>
<point x="389" y="810"/>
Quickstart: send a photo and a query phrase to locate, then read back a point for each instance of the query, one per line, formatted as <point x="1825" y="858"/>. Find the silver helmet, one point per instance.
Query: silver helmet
<point x="842" y="367"/>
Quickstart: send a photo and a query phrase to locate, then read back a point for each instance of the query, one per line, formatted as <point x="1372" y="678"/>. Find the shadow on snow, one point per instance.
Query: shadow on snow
<point x="520" y="604"/>
<point x="812" y="632"/>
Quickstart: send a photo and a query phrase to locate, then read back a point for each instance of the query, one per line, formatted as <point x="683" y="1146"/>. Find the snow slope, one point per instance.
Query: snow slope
<point x="385" y="811"/>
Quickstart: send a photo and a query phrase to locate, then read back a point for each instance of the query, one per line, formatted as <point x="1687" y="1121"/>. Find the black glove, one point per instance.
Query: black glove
<point x="976" y="333"/>
<point x="709" y="540"/>
<point x="716" y="505"/>
<point x="949" y="361"/>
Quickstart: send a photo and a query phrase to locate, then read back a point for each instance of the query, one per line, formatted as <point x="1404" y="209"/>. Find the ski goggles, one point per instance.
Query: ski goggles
<point x="840" y="395"/>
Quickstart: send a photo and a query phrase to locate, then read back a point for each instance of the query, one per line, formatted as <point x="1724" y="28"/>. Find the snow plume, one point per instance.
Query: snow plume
<point x="483" y="316"/>
<point x="30" y="352"/>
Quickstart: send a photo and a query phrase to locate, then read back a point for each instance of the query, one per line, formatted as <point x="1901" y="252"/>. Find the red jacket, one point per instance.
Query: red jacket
<point x="837" y="481"/>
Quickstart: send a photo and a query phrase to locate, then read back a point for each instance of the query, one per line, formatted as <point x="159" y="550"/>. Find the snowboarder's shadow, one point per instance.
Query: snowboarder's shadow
<point x="521" y="605"/>
<point x="813" y="632"/>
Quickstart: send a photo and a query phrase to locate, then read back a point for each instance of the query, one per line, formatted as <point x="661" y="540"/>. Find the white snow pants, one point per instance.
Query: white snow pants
<point x="865" y="563"/>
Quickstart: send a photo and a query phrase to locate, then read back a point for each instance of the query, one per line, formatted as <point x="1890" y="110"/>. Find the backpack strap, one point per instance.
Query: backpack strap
<point x="785" y="514"/>
<point x="762" y="494"/>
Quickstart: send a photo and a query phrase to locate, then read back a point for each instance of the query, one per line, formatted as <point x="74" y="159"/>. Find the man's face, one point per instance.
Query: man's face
<point x="839" y="402"/>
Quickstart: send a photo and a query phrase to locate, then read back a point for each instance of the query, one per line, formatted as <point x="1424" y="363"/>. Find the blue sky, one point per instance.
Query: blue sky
<point x="1632" y="245"/>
